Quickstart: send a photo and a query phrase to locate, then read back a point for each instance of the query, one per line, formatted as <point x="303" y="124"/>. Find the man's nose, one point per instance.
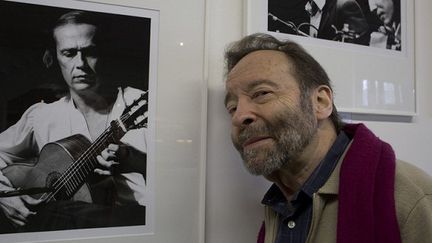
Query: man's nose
<point x="244" y="114"/>
<point x="81" y="60"/>
<point x="379" y="9"/>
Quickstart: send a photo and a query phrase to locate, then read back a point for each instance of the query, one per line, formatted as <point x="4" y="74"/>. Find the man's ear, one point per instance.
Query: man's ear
<point x="323" y="102"/>
<point x="48" y="58"/>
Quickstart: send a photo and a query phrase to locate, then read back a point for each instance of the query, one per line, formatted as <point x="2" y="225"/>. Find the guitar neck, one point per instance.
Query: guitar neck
<point x="75" y="176"/>
<point x="87" y="162"/>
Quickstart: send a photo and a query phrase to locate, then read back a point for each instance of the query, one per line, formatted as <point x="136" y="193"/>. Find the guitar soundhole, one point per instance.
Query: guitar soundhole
<point x="51" y="180"/>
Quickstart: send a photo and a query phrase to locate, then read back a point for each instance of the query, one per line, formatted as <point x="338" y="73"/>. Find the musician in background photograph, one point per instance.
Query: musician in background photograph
<point x="337" y="20"/>
<point x="388" y="35"/>
<point x="80" y="51"/>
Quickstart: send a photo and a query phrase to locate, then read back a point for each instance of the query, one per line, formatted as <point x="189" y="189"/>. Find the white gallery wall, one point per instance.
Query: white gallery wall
<point x="203" y="193"/>
<point x="233" y="211"/>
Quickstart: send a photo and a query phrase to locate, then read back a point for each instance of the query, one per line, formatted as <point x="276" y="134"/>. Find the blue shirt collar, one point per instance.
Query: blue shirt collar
<point x="274" y="196"/>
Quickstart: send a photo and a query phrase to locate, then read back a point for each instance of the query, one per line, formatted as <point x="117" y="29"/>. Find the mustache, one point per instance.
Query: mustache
<point x="250" y="132"/>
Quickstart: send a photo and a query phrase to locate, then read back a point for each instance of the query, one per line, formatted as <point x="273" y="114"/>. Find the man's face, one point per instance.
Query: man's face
<point x="271" y="125"/>
<point x="77" y="57"/>
<point x="385" y="10"/>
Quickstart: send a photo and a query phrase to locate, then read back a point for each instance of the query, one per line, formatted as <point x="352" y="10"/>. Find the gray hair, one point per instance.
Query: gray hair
<point x="307" y="71"/>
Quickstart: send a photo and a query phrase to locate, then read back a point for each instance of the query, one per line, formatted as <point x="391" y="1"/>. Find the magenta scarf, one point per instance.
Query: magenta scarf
<point x="367" y="212"/>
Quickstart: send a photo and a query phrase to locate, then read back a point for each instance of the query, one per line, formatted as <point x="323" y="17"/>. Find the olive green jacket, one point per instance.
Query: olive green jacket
<point x="413" y="195"/>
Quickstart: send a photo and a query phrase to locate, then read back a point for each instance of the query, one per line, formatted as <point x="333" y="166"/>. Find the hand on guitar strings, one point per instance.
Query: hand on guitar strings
<point x="110" y="158"/>
<point x="121" y="158"/>
<point x="16" y="209"/>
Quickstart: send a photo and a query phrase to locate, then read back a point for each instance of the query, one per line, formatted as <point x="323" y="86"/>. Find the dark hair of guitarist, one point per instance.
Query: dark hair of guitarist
<point x="80" y="161"/>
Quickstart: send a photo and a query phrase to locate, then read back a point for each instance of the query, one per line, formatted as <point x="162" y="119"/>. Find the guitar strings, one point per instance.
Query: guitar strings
<point x="65" y="179"/>
<point x="81" y="162"/>
<point x="70" y="172"/>
<point x="77" y="166"/>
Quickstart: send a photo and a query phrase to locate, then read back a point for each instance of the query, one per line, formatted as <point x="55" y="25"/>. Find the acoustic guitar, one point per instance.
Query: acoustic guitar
<point x="64" y="169"/>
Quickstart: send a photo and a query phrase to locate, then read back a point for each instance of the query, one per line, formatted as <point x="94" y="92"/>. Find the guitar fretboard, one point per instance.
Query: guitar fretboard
<point x="76" y="174"/>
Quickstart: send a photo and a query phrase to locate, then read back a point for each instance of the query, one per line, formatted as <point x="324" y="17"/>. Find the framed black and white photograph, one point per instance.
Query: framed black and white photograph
<point x="356" y="41"/>
<point x="77" y="111"/>
<point x="374" y="23"/>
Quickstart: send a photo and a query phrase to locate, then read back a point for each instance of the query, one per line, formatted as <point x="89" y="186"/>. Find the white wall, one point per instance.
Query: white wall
<point x="233" y="211"/>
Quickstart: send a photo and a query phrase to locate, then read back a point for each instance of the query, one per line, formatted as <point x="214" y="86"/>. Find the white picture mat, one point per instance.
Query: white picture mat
<point x="180" y="124"/>
<point x="149" y="227"/>
<point x="388" y="75"/>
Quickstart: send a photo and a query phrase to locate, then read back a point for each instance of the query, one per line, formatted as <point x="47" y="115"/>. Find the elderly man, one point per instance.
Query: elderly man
<point x="333" y="182"/>
<point x="388" y="34"/>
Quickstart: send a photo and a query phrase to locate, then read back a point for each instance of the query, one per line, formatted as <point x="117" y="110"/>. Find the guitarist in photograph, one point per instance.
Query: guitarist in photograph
<point x="79" y="162"/>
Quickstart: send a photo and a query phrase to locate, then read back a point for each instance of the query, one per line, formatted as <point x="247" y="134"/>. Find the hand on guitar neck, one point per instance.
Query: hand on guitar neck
<point x="115" y="159"/>
<point x="109" y="158"/>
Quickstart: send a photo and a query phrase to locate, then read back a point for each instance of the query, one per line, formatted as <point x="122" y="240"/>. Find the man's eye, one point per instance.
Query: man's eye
<point x="69" y="53"/>
<point x="231" y="109"/>
<point x="261" y="93"/>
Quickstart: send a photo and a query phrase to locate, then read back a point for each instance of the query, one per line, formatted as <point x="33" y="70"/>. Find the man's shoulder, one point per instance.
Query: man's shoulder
<point x="50" y="107"/>
<point x="132" y="90"/>
<point x="130" y="94"/>
<point x="409" y="176"/>
<point x="413" y="190"/>
<point x="41" y="108"/>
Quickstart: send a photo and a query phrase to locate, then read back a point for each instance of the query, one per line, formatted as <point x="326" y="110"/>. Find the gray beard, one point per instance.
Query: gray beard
<point x="273" y="161"/>
<point x="288" y="147"/>
<point x="291" y="134"/>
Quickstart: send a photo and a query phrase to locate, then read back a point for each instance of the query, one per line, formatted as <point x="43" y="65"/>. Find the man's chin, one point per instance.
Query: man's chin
<point x="254" y="171"/>
<point x="260" y="167"/>
<point x="257" y="171"/>
<point x="84" y="87"/>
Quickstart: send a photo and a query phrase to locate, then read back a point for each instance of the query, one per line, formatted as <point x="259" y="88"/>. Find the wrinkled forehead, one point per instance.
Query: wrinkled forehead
<point x="259" y="65"/>
<point x="264" y="67"/>
<point x="74" y="30"/>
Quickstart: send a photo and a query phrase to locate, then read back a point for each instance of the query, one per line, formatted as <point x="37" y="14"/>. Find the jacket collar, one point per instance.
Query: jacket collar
<point x="332" y="185"/>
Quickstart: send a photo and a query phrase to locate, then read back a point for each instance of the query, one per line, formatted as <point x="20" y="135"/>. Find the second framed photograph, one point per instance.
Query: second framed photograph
<point x="366" y="46"/>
